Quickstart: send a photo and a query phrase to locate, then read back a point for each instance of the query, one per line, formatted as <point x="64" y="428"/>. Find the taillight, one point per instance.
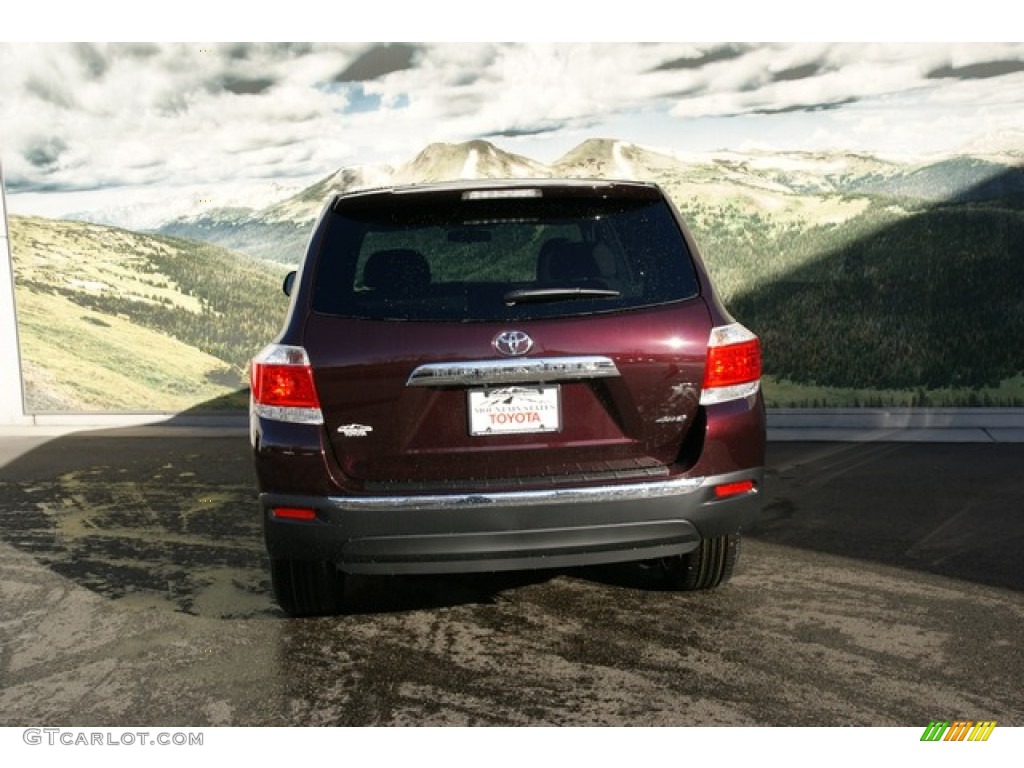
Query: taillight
<point x="282" y="386"/>
<point x="734" y="365"/>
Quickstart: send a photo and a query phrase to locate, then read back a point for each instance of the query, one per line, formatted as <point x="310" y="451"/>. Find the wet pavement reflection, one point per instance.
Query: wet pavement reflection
<point x="882" y="587"/>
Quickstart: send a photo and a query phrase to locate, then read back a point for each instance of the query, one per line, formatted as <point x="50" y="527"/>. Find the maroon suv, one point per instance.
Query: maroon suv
<point x="505" y="375"/>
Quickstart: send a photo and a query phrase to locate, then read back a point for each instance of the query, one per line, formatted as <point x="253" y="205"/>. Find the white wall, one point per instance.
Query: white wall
<point x="12" y="408"/>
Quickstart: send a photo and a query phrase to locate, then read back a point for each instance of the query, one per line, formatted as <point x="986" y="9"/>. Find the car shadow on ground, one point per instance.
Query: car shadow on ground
<point x="167" y="519"/>
<point x="163" y="519"/>
<point x="950" y="509"/>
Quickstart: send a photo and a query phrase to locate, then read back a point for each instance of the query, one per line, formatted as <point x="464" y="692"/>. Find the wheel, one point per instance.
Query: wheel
<point x="307" y="587"/>
<point x="708" y="566"/>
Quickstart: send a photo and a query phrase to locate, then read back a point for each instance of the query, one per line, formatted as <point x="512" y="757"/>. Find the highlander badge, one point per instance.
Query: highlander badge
<point x="355" y="430"/>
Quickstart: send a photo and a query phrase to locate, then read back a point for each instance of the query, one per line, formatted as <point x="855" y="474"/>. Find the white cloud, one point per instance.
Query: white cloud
<point x="223" y="116"/>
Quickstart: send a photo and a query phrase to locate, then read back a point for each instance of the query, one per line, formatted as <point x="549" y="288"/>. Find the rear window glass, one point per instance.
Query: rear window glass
<point x="428" y="257"/>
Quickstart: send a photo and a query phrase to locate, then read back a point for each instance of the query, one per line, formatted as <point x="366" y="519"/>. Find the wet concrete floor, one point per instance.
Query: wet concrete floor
<point x="884" y="586"/>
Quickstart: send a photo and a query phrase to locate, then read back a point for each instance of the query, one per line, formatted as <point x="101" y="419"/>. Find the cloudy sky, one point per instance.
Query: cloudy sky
<point x="119" y="127"/>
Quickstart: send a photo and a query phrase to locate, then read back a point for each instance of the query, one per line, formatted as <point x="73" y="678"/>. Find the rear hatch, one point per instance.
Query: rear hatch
<point x="513" y="339"/>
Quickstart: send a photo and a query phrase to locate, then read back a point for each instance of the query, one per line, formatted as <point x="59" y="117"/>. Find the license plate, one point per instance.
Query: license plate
<point x="511" y="410"/>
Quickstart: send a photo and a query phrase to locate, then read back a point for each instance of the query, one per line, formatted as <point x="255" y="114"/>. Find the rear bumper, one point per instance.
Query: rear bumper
<point x="463" y="533"/>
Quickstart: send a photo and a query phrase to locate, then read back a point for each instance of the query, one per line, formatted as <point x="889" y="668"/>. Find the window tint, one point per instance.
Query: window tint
<point x="449" y="259"/>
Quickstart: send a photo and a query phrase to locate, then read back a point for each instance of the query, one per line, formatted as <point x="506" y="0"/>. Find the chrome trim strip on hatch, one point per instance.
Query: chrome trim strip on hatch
<point x="605" y="493"/>
<point x="520" y="371"/>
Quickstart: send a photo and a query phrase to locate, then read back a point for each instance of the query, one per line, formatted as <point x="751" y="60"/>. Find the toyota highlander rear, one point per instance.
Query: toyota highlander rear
<point x="504" y="375"/>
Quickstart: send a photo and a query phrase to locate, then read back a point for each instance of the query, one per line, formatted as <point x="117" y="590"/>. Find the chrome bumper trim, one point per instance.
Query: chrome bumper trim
<point x="513" y="371"/>
<point x="605" y="493"/>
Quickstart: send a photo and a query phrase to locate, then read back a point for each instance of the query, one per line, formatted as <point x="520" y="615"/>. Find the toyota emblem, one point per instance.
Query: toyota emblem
<point x="513" y="343"/>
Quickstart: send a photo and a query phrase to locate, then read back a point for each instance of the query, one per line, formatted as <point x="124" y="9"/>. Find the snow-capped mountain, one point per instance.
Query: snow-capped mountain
<point x="306" y="205"/>
<point x="469" y="160"/>
<point x="804" y="186"/>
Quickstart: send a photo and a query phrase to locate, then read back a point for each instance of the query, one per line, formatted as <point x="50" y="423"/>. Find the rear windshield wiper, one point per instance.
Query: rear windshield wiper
<point x="525" y="295"/>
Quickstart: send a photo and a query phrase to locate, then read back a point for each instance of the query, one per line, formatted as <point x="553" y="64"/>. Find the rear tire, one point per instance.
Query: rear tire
<point x="307" y="587"/>
<point x="707" y="567"/>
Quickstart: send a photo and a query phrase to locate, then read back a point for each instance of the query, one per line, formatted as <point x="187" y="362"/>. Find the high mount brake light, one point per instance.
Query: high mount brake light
<point x="282" y="386"/>
<point x="733" y="368"/>
<point x="500" y="194"/>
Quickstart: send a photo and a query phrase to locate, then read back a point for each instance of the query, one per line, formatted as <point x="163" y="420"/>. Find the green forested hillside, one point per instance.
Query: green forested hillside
<point x="111" y="319"/>
<point x="898" y="306"/>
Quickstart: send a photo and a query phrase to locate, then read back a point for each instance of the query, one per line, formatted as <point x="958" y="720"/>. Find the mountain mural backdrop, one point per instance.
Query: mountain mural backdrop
<point x="872" y="281"/>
